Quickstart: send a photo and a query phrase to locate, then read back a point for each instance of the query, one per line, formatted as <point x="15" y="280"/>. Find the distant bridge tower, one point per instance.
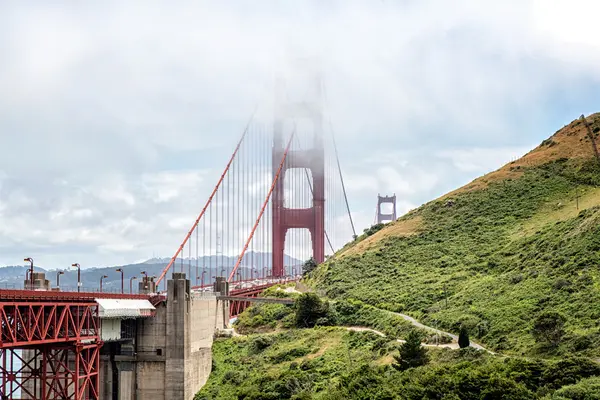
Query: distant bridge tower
<point x="381" y="217"/>
<point x="312" y="159"/>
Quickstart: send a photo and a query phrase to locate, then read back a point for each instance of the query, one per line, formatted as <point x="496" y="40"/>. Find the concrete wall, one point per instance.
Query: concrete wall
<point x="183" y="331"/>
<point x="173" y="350"/>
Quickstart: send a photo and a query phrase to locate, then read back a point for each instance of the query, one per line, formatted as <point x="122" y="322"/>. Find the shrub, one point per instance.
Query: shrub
<point x="412" y="354"/>
<point x="309" y="310"/>
<point x="548" y="328"/>
<point x="260" y="343"/>
<point x="309" y="266"/>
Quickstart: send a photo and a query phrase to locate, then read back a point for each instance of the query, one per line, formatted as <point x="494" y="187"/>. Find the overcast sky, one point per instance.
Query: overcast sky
<point x="107" y="106"/>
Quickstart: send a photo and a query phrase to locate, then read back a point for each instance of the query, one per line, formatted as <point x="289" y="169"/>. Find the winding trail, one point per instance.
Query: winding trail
<point x="418" y="324"/>
<point x="454" y="337"/>
<point x="453" y="346"/>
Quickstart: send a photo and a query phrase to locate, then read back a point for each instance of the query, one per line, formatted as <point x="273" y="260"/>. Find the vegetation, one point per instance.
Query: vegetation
<point x="411" y="353"/>
<point x="548" y="328"/>
<point x="331" y="363"/>
<point x="507" y="248"/>
<point x="463" y="338"/>
<point x="309" y="266"/>
<point x="311" y="310"/>
<point x="510" y="259"/>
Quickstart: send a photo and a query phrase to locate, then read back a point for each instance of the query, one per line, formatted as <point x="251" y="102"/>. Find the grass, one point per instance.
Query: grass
<point x="494" y="258"/>
<point x="490" y="257"/>
<point x="332" y="363"/>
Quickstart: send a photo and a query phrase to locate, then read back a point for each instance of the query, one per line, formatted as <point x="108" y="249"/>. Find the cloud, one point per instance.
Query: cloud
<point x="116" y="120"/>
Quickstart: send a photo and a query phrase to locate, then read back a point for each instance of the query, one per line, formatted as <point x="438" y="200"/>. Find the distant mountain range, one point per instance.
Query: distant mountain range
<point x="12" y="277"/>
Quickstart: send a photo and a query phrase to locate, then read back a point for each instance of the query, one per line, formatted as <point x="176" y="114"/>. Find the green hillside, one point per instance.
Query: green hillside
<point x="334" y="364"/>
<point x="493" y="255"/>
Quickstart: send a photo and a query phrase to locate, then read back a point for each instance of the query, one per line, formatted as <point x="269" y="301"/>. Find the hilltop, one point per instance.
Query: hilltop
<point x="493" y="255"/>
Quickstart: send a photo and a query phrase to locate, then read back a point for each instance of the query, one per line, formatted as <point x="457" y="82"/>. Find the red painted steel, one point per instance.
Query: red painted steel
<point x="312" y="218"/>
<point x="50" y="372"/>
<point x="44" y="295"/>
<point x="237" y="148"/>
<point x="264" y="206"/>
<point x="49" y="345"/>
<point x="237" y="307"/>
<point x="27" y="323"/>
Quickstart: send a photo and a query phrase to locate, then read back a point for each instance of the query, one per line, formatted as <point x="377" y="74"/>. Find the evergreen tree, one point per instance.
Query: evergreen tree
<point x="309" y="266"/>
<point x="309" y="310"/>
<point x="412" y="354"/>
<point x="463" y="338"/>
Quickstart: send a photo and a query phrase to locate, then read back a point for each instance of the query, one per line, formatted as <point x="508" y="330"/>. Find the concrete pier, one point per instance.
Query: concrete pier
<point x="170" y="356"/>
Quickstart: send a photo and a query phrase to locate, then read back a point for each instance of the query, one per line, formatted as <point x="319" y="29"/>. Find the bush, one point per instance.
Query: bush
<point x="548" y="328"/>
<point x="586" y="389"/>
<point x="412" y="354"/>
<point x="310" y="309"/>
<point x="309" y="266"/>
<point x="260" y="343"/>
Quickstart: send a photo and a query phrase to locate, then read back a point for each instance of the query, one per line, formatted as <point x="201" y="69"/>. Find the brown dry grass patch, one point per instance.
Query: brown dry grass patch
<point x="405" y="227"/>
<point x="571" y="142"/>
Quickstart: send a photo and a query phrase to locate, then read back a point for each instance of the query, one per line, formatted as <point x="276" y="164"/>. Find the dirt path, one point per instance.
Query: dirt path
<point x="454" y="337"/>
<point x="364" y="329"/>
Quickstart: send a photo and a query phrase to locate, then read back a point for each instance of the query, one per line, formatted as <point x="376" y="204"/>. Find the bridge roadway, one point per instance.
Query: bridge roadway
<point x="66" y="345"/>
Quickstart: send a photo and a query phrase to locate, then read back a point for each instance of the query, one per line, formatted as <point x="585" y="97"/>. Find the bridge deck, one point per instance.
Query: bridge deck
<point x="275" y="300"/>
<point x="56" y="296"/>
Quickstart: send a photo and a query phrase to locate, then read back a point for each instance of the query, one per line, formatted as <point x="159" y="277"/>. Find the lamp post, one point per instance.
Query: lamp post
<point x="78" y="276"/>
<point x="58" y="274"/>
<point x="30" y="260"/>
<point x="145" y="279"/>
<point x="222" y="271"/>
<point x="122" y="277"/>
<point x="131" y="284"/>
<point x="101" y="278"/>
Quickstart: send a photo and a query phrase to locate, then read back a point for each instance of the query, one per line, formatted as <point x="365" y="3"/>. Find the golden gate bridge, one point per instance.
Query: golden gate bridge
<point x="279" y="201"/>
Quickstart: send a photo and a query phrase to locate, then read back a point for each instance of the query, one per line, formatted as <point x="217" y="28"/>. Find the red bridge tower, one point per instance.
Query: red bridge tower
<point x="311" y="159"/>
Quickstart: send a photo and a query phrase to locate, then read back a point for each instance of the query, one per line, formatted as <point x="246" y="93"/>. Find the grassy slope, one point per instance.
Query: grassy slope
<point x="331" y="363"/>
<point x="506" y="247"/>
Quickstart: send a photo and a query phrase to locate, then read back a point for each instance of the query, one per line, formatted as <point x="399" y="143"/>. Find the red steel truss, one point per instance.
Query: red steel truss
<point x="50" y="372"/>
<point x="49" y="350"/>
<point x="29" y="323"/>
<point x="236" y="307"/>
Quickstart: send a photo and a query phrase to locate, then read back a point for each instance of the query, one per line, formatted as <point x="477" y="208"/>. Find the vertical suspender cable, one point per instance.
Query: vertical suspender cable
<point x="174" y="258"/>
<point x="262" y="210"/>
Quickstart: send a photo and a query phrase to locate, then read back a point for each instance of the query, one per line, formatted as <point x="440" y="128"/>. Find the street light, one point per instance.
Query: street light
<point x="145" y="280"/>
<point x="78" y="276"/>
<point x="122" y="277"/>
<point x="101" y="278"/>
<point x="30" y="260"/>
<point x="58" y="274"/>
<point x="131" y="284"/>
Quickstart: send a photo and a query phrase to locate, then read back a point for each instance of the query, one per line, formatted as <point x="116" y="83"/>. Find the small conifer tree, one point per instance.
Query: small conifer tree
<point x="412" y="354"/>
<point x="463" y="338"/>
